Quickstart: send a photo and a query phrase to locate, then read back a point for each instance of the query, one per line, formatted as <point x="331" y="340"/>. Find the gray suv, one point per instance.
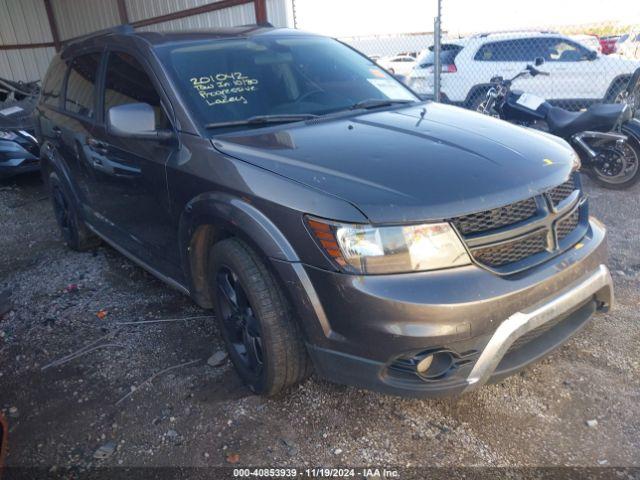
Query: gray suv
<point x="333" y="220"/>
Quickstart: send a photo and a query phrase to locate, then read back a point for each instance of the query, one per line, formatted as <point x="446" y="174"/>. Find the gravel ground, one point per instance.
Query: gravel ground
<point x="201" y="415"/>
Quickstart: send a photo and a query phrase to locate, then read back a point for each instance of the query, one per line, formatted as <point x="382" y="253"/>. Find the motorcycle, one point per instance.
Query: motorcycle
<point x="605" y="136"/>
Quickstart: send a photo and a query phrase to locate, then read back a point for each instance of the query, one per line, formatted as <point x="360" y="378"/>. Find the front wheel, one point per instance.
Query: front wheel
<point x="617" y="166"/>
<point x="262" y="337"/>
<point x="74" y="231"/>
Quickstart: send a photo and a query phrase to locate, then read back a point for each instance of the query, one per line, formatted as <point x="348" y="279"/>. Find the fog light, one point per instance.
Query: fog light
<point x="424" y="364"/>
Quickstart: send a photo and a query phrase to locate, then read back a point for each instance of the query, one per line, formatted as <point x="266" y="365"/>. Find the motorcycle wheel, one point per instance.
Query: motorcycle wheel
<point x="617" y="167"/>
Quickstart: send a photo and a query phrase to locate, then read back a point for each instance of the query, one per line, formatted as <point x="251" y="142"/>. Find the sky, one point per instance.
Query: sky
<point x="367" y="17"/>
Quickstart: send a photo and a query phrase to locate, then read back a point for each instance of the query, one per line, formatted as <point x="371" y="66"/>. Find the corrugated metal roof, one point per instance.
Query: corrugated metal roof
<point x="24" y="21"/>
<point x="280" y="13"/>
<point x="143" y="9"/>
<point x="26" y="65"/>
<point x="228" y="17"/>
<point x="77" y="18"/>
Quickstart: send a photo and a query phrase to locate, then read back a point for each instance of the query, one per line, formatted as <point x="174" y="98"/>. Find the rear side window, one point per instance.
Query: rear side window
<point x="448" y="53"/>
<point x="52" y="88"/>
<point x="521" y="50"/>
<point x="126" y="82"/>
<point x="81" y="85"/>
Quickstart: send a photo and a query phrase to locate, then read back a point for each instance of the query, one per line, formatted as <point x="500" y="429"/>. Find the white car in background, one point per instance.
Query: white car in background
<point x="398" y="65"/>
<point x="628" y="45"/>
<point x="578" y="75"/>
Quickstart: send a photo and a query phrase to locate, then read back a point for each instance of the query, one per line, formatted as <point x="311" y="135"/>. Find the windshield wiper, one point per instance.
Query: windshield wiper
<point x="378" y="102"/>
<point x="263" y="119"/>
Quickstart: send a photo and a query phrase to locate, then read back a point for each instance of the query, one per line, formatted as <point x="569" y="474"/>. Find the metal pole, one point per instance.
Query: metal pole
<point x="437" y="64"/>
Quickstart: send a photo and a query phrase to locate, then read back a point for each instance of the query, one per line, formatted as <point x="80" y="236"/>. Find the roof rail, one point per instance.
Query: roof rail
<point x="124" y="29"/>
<point x="499" y="32"/>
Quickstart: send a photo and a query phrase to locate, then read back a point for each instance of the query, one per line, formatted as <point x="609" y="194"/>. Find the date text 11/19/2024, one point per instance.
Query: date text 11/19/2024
<point x="372" y="472"/>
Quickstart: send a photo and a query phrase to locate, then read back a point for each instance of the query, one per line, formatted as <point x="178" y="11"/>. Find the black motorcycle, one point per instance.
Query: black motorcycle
<point x="605" y="136"/>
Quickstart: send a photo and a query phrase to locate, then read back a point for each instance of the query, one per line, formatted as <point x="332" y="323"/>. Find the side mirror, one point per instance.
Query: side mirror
<point x="592" y="55"/>
<point x="135" y="120"/>
<point x="539" y="61"/>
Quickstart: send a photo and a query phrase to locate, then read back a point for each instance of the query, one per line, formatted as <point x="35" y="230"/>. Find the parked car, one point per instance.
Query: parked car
<point x="19" y="150"/>
<point x="592" y="42"/>
<point x="398" y="65"/>
<point x="333" y="220"/>
<point x="579" y="76"/>
<point x="628" y="45"/>
<point x="608" y="44"/>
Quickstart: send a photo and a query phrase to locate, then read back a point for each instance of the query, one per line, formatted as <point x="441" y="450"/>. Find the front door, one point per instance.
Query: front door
<point x="130" y="174"/>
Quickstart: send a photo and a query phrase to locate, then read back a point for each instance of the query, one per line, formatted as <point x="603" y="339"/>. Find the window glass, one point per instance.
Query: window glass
<point x="448" y="53"/>
<point x="81" y="82"/>
<point x="232" y="80"/>
<point x="520" y="50"/>
<point x="52" y="87"/>
<point x="561" y="50"/>
<point x="126" y="82"/>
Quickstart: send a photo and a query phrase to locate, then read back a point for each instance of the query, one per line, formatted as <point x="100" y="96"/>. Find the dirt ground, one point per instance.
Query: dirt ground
<point x="201" y="415"/>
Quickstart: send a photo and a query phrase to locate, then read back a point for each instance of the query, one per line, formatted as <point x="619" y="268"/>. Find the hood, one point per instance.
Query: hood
<point x="417" y="163"/>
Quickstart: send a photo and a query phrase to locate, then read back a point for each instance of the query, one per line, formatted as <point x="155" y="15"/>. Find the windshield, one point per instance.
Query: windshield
<point x="234" y="80"/>
<point x="448" y="54"/>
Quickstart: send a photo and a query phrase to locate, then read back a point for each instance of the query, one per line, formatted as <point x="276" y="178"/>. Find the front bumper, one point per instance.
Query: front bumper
<point x="359" y="327"/>
<point x="595" y="286"/>
<point x="15" y="159"/>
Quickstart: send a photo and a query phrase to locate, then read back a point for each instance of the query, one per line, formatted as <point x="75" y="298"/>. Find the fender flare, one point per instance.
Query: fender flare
<point x="632" y="129"/>
<point x="49" y="162"/>
<point x="213" y="216"/>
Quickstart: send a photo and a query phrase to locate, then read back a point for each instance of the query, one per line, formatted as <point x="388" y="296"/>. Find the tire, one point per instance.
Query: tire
<point x="74" y="232"/>
<point x="602" y="180"/>
<point x="616" y="90"/>
<point x="258" y="322"/>
<point x="476" y="98"/>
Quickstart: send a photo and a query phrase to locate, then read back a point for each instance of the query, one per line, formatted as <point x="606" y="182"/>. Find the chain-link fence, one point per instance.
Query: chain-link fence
<point x="586" y="64"/>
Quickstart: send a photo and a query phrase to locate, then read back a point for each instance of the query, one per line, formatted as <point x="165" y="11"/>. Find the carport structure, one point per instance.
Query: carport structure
<point x="31" y="31"/>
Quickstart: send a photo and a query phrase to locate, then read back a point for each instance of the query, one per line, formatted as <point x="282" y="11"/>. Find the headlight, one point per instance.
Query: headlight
<point x="4" y="135"/>
<point x="376" y="250"/>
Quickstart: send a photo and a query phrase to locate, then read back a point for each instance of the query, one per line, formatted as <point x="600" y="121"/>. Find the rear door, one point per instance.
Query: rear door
<point x="129" y="176"/>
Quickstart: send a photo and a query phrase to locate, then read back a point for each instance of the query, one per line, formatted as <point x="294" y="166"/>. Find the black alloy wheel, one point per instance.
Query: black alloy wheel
<point x="242" y="328"/>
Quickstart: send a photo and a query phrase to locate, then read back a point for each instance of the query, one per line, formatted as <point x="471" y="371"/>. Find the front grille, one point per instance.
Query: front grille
<point x="559" y="193"/>
<point x="488" y="233"/>
<point x="496" y="218"/>
<point x="568" y="225"/>
<point x="510" y="252"/>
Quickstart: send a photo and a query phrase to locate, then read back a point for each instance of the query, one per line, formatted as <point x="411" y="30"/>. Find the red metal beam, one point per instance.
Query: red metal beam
<point x="122" y="11"/>
<point x="21" y="46"/>
<point x="189" y="12"/>
<point x="52" y="25"/>
<point x="261" y="11"/>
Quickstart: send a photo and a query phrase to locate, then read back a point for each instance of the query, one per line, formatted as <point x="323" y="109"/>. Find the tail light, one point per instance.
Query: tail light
<point x="449" y="68"/>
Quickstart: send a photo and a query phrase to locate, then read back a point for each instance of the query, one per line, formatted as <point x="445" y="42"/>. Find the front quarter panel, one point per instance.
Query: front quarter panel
<point x="265" y="209"/>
